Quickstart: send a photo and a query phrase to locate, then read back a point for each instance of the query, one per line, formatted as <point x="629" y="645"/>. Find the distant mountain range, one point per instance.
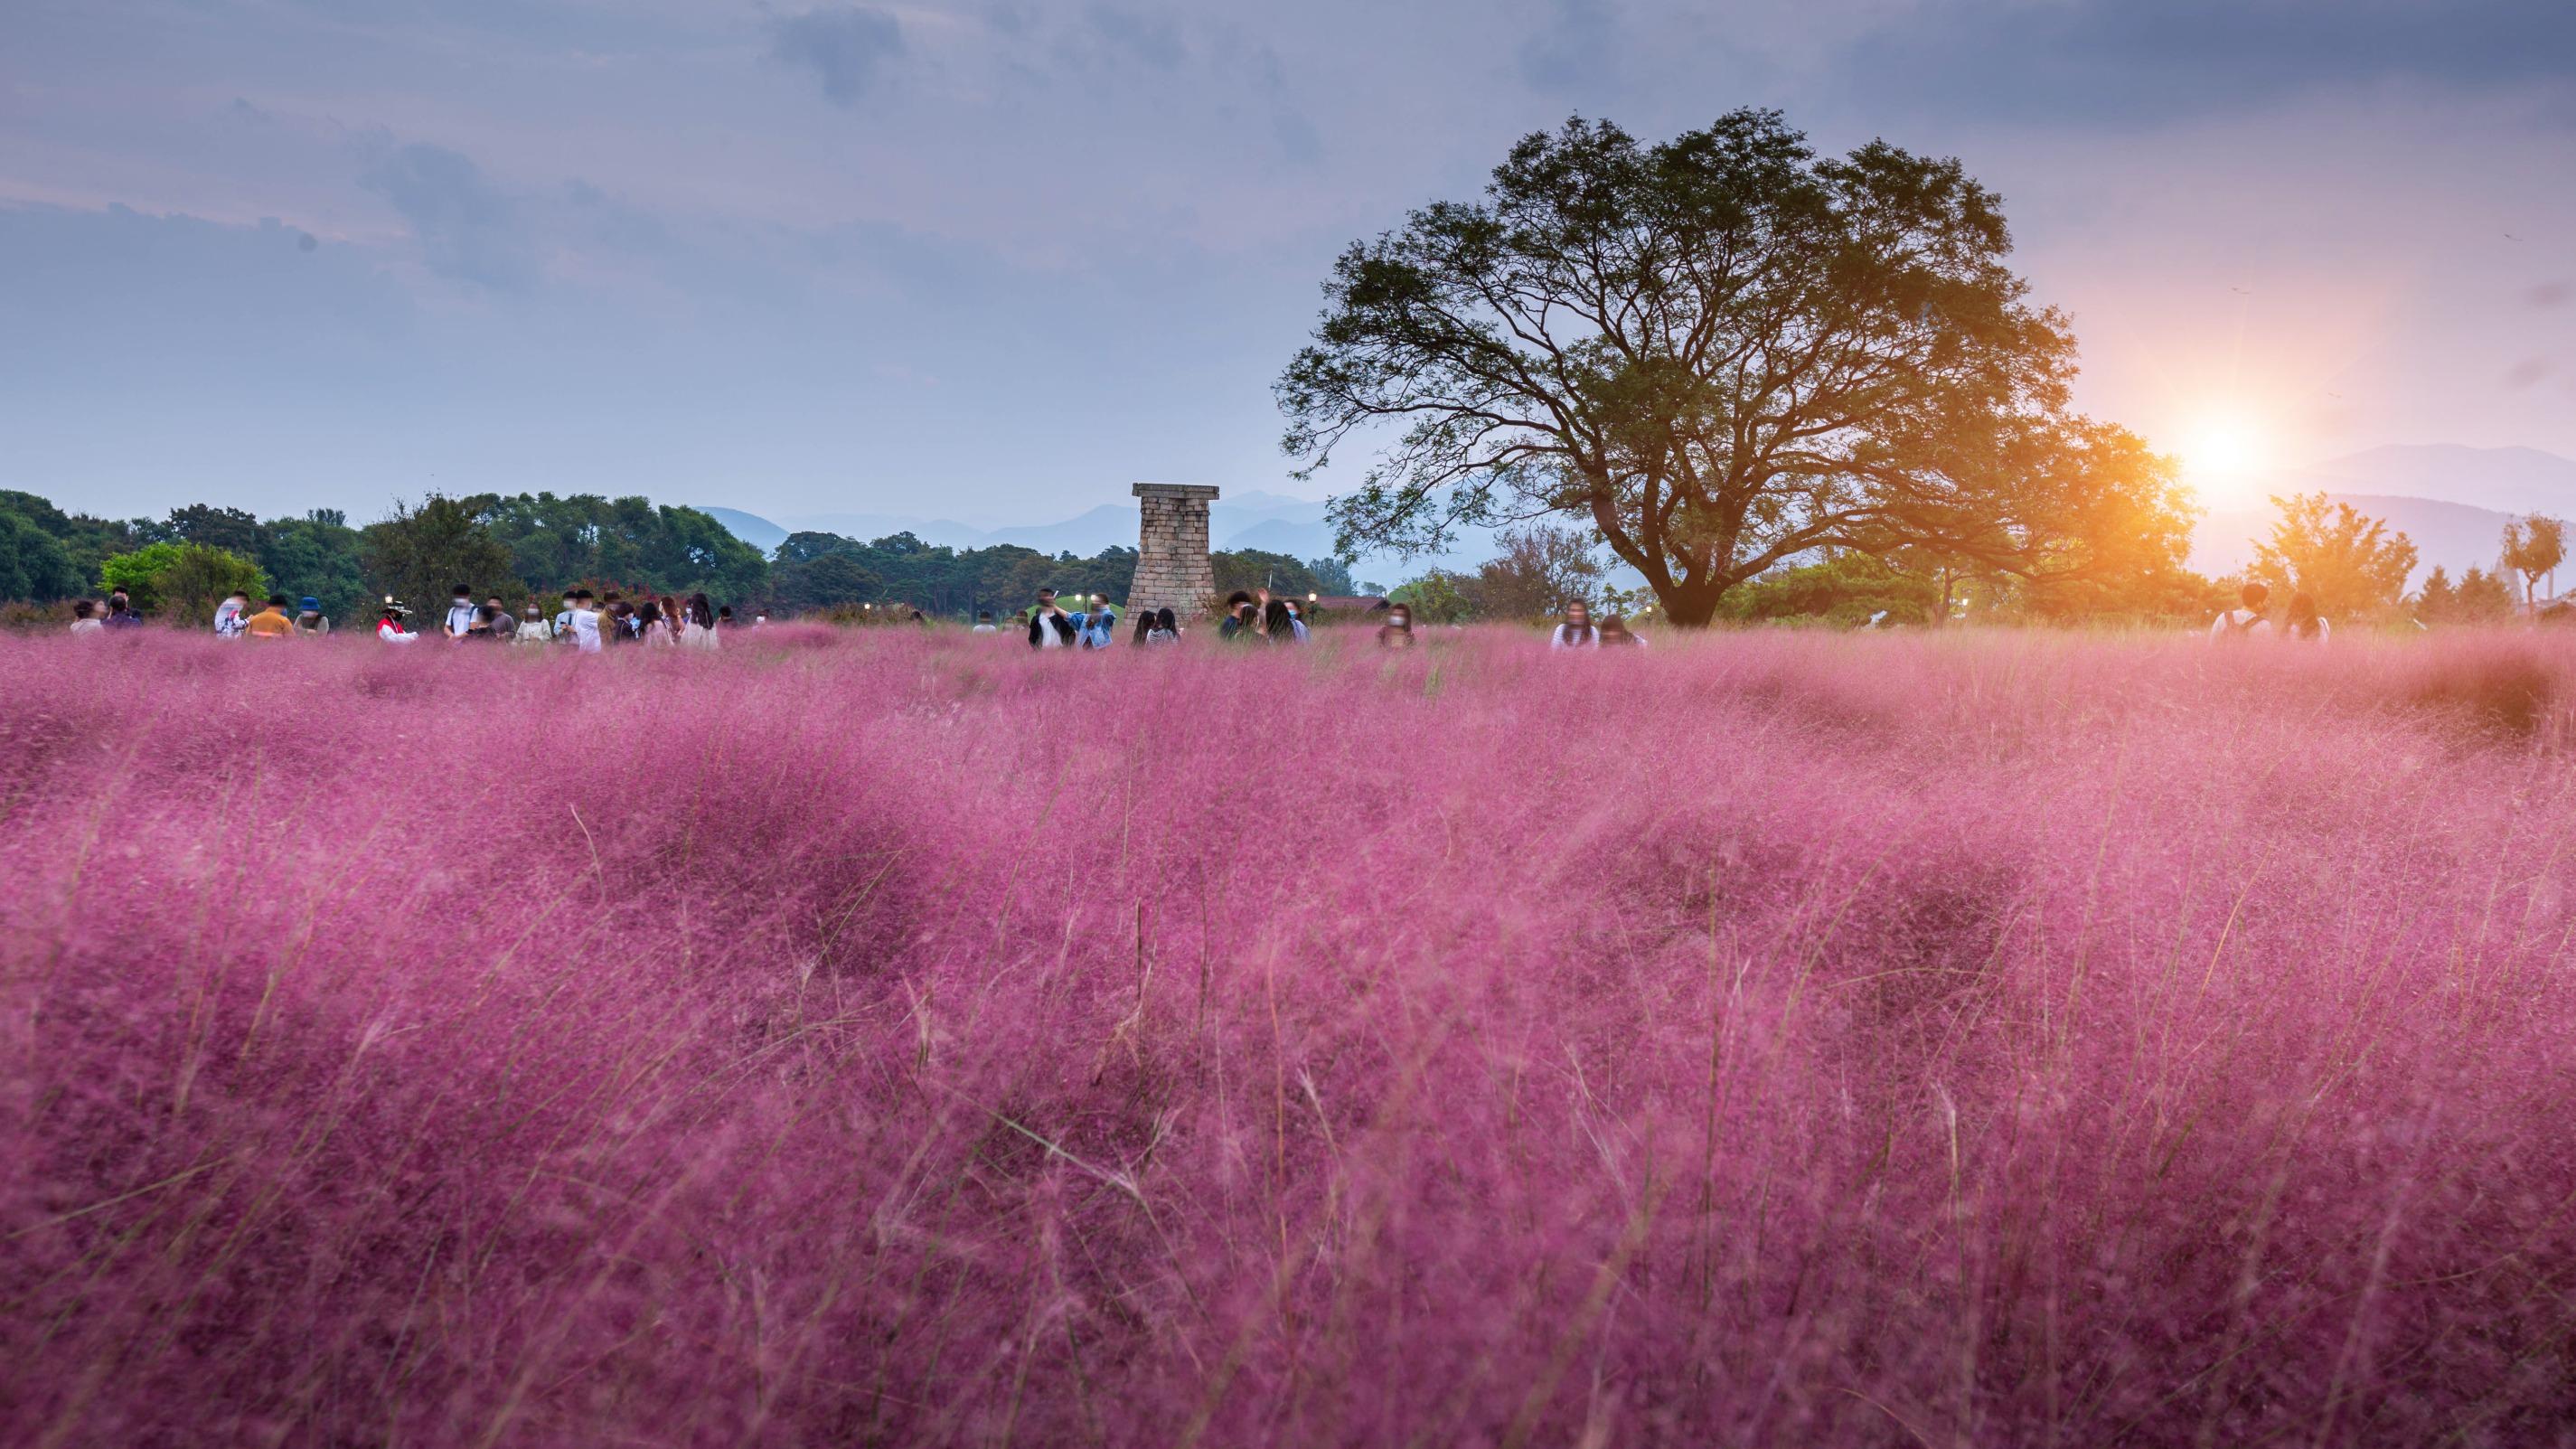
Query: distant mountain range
<point x="2452" y="501"/>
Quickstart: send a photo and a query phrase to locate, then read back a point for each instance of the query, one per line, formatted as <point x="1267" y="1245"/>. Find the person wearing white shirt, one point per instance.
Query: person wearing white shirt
<point x="1577" y="631"/>
<point x="229" y="615"/>
<point x="460" y="612"/>
<point x="583" y="619"/>
<point x="2246" y="621"/>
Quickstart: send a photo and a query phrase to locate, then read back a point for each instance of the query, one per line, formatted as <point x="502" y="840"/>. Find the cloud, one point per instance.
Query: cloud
<point x="846" y="48"/>
<point x="467" y="228"/>
<point x="2120" y="62"/>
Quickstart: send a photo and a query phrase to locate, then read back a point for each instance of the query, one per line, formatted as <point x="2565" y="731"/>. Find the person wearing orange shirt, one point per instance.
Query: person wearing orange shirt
<point x="271" y="622"/>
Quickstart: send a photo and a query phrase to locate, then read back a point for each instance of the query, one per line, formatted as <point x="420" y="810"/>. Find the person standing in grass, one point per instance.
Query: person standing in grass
<point x="85" y="618"/>
<point x="389" y="625"/>
<point x="460" y="612"/>
<point x="534" y="627"/>
<point x="272" y="622"/>
<point x="1577" y="631"/>
<point x="563" y="616"/>
<point x="2246" y="621"/>
<point x="505" y="625"/>
<point x="582" y="622"/>
<point x="1097" y="629"/>
<point x="1048" y="626"/>
<point x="120" y="612"/>
<point x="1397" y="631"/>
<point x="309" y="618"/>
<point x="984" y="623"/>
<point x="229" y="613"/>
<point x="1279" y="625"/>
<point x="1240" y="625"/>
<point x="698" y="622"/>
<point x="2304" y="623"/>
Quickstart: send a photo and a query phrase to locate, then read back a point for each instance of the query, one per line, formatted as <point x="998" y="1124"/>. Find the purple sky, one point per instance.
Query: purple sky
<point x="994" y="261"/>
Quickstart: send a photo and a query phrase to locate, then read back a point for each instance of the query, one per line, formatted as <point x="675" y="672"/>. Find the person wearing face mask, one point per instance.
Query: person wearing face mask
<point x="583" y="624"/>
<point x="460" y="611"/>
<point x="1397" y="631"/>
<point x="563" y="616"/>
<point x="1297" y="620"/>
<point x="1280" y="626"/>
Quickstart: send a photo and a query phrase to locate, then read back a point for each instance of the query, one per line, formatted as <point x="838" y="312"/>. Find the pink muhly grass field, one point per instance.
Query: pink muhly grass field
<point x="889" y="1038"/>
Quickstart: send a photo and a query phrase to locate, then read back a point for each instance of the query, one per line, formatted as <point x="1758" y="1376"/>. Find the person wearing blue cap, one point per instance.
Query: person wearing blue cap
<point x="309" y="618"/>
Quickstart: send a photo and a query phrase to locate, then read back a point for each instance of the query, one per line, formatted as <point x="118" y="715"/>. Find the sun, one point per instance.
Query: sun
<point x="2224" y="446"/>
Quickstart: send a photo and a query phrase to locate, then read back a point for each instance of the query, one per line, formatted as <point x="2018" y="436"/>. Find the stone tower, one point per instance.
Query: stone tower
<point x="1172" y="568"/>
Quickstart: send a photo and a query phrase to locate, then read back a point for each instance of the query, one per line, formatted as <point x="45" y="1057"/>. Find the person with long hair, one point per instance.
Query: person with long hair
<point x="1166" y="628"/>
<point x="1615" y="634"/>
<point x="652" y="627"/>
<point x="1397" y="631"/>
<point x="698" y="623"/>
<point x="2304" y="623"/>
<point x="1577" y="631"/>
<point x="1280" y="625"/>
<point x="1144" y="627"/>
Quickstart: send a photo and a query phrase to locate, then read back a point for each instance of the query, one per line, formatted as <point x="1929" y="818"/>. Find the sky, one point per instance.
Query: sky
<point x="994" y="261"/>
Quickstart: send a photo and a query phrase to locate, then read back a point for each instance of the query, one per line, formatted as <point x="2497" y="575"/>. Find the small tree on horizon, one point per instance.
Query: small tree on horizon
<point x="183" y="582"/>
<point x="2534" y="547"/>
<point x="2350" y="563"/>
<point x="1542" y="569"/>
<point x="420" y="553"/>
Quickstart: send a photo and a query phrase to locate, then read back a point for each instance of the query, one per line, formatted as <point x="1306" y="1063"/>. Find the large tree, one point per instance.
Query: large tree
<point x="1725" y="352"/>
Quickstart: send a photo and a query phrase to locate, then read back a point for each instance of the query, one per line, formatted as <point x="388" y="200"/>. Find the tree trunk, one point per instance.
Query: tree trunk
<point x="1686" y="608"/>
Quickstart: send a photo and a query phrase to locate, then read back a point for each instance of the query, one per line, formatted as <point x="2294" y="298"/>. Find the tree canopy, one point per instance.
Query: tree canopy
<point x="2347" y="561"/>
<point x="1725" y="352"/>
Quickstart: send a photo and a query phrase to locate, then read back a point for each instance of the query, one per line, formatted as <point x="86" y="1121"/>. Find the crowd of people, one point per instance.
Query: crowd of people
<point x="587" y="623"/>
<point x="1257" y="618"/>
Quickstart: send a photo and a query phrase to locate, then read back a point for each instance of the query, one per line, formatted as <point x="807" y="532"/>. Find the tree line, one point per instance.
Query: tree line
<point x="521" y="545"/>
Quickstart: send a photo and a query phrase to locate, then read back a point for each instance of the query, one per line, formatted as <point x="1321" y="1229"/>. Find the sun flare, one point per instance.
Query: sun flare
<point x="2224" y="447"/>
